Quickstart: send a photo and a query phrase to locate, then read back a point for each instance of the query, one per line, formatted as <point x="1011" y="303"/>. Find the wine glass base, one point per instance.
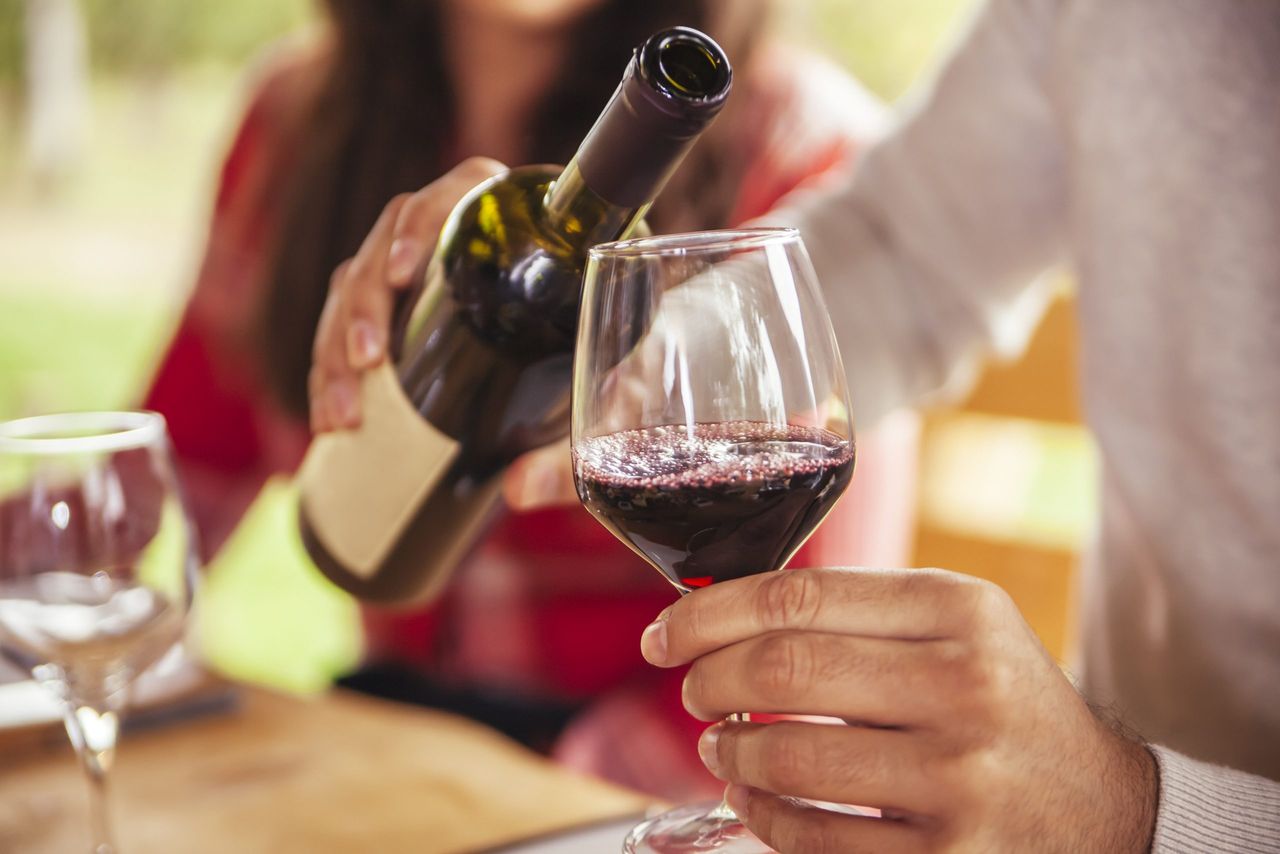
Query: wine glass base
<point x="692" y="828"/>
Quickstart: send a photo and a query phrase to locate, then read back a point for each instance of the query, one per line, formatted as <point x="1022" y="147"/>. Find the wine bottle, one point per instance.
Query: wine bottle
<point x="482" y="355"/>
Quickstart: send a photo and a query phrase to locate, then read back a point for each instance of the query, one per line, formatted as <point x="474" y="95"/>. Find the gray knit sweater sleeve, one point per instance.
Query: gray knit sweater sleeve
<point x="1208" y="808"/>
<point x="927" y="251"/>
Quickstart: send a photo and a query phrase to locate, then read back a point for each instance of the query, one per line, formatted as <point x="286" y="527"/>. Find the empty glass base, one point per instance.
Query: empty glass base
<point x="696" y="827"/>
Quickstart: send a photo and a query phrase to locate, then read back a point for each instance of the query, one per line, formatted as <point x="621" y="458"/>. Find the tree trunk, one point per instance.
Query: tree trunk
<point x="57" y="90"/>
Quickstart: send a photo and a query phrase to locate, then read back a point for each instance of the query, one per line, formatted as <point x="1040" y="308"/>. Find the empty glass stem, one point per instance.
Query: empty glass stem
<point x="93" y="732"/>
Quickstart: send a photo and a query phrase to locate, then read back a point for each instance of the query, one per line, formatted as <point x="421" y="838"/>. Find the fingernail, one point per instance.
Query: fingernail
<point x="344" y="409"/>
<point x="402" y="259"/>
<point x="737" y="798"/>
<point x="653" y="643"/>
<point x="364" y="345"/>
<point x="707" y="748"/>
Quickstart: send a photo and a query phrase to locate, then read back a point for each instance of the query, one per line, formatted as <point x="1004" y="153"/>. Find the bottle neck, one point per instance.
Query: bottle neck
<point x="675" y="84"/>
<point x="578" y="212"/>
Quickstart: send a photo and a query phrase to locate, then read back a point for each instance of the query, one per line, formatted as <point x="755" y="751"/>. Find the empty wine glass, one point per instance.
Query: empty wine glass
<point x="711" y="428"/>
<point x="97" y="568"/>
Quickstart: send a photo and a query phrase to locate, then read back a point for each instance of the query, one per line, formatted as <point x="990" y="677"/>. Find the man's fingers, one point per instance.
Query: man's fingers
<point x="793" y="827"/>
<point x="841" y="764"/>
<point x="541" y="478"/>
<point x="419" y="221"/>
<point x="914" y="604"/>
<point x="872" y="680"/>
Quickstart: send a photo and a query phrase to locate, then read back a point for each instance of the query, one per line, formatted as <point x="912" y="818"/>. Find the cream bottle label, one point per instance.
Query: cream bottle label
<point x="360" y="488"/>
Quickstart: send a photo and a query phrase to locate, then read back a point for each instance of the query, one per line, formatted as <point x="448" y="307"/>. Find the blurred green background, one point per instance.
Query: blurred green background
<point x="98" y="250"/>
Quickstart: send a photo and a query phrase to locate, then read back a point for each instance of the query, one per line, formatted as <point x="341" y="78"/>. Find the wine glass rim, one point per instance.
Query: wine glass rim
<point x="100" y="431"/>
<point x="684" y="243"/>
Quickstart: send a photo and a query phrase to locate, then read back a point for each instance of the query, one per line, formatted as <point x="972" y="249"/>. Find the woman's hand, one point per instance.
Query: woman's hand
<point x="961" y="729"/>
<point x="541" y="478"/>
<point x="356" y="320"/>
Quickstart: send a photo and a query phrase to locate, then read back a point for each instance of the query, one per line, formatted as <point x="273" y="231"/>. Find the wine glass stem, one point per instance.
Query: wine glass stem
<point x="93" y="733"/>
<point x="722" y="811"/>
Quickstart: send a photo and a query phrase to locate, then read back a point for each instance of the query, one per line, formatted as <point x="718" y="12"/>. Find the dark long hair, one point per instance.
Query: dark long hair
<point x="381" y="123"/>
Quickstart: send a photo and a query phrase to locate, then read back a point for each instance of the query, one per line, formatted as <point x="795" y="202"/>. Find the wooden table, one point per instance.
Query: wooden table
<point x="336" y="774"/>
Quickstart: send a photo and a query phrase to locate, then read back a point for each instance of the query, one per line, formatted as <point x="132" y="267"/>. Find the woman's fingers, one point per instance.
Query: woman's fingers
<point x="352" y="330"/>
<point x="329" y="399"/>
<point x="420" y="220"/>
<point x="541" y="478"/>
<point x="355" y="323"/>
<point x="365" y="297"/>
<point x="841" y="764"/>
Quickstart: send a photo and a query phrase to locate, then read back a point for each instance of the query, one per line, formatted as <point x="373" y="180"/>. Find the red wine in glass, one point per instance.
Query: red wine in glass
<point x="712" y="502"/>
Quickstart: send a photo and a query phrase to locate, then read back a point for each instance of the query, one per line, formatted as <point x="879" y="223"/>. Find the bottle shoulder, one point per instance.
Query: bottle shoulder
<point x="502" y="211"/>
<point x="510" y="275"/>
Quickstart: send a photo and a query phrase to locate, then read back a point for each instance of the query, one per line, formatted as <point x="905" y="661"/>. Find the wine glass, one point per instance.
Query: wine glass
<point x="97" y="568"/>
<point x="711" y="429"/>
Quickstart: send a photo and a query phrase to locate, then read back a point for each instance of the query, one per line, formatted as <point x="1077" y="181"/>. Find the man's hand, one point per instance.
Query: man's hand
<point x="354" y="325"/>
<point x="961" y="728"/>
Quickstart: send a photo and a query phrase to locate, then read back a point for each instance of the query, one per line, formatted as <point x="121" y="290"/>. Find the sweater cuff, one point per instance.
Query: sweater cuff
<point x="1209" y="808"/>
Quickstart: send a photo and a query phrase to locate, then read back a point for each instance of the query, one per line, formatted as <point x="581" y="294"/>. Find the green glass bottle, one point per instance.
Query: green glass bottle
<point x="482" y="355"/>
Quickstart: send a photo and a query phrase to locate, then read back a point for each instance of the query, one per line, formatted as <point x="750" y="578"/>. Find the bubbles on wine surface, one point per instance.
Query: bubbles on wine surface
<point x="699" y="455"/>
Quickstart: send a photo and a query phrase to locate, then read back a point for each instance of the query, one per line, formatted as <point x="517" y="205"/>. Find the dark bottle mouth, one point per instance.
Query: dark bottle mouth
<point x="686" y="65"/>
<point x="674" y="85"/>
